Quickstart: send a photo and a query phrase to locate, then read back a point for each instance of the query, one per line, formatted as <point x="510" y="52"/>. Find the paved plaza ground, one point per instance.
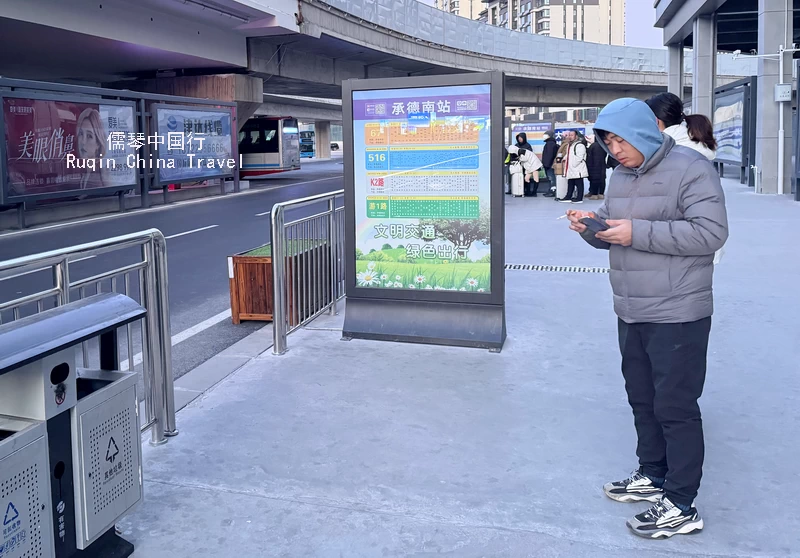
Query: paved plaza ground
<point x="377" y="449"/>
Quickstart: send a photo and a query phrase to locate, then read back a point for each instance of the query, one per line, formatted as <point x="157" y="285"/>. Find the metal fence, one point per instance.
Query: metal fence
<point x="146" y="274"/>
<point x="307" y="262"/>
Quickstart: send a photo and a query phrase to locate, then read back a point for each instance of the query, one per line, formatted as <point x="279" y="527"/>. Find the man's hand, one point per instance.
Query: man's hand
<point x="621" y="232"/>
<point x="575" y="217"/>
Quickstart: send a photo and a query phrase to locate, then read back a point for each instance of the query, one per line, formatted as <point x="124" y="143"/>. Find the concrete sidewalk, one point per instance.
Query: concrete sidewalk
<point x="377" y="449"/>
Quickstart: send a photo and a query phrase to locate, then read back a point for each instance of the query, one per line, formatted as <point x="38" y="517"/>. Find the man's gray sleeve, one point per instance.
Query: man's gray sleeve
<point x="589" y="236"/>
<point x="704" y="227"/>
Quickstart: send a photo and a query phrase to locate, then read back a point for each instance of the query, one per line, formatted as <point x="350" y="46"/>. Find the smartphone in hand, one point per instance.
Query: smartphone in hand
<point x="595" y="224"/>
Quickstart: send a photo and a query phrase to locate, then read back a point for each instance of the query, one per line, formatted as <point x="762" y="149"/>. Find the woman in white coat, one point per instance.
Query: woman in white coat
<point x="575" y="168"/>
<point x="524" y="169"/>
<point x="694" y="131"/>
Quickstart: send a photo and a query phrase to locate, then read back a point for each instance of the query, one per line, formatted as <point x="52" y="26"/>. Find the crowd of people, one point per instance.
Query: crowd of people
<point x="577" y="158"/>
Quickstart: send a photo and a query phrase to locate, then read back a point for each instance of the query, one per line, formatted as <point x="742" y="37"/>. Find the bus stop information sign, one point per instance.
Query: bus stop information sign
<point x="424" y="210"/>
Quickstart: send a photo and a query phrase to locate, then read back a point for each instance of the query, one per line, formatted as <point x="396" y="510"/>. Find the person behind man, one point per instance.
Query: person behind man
<point x="666" y="211"/>
<point x="575" y="168"/>
<point x="548" y="160"/>
<point x="694" y="131"/>
<point x="596" y="163"/>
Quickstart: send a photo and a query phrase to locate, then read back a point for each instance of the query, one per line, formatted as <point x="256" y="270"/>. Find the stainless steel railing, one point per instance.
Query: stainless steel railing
<point x="307" y="263"/>
<point x="148" y="271"/>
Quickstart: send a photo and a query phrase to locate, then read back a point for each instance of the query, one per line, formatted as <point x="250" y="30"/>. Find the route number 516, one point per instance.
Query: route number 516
<point x="376" y="157"/>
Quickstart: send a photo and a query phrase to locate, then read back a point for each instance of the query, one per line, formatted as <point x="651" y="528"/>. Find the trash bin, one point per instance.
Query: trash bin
<point x="107" y="451"/>
<point x="87" y="424"/>
<point x="26" y="524"/>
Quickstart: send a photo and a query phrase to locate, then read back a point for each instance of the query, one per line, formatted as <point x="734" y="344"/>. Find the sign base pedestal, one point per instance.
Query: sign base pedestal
<point x="436" y="323"/>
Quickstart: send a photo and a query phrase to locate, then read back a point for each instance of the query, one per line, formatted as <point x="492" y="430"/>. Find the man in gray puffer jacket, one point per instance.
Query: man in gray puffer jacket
<point x="666" y="211"/>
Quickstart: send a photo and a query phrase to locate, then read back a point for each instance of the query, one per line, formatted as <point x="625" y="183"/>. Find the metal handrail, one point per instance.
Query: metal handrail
<point x="154" y="294"/>
<point x="317" y="279"/>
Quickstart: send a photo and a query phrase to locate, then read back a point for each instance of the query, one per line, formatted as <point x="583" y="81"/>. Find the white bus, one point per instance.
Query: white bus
<point x="269" y="145"/>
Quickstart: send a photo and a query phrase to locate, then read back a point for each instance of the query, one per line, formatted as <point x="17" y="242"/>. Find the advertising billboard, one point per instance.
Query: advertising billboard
<point x="60" y="148"/>
<point x="534" y="132"/>
<point x="194" y="144"/>
<point x="424" y="211"/>
<point x="729" y="126"/>
<point x="563" y="127"/>
<point x="422" y="164"/>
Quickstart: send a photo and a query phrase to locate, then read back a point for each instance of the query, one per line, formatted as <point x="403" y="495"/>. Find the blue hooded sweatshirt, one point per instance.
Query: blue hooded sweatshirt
<point x="633" y="121"/>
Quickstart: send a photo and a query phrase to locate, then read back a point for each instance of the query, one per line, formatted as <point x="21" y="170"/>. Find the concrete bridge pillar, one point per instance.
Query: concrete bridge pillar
<point x="704" y="72"/>
<point x="322" y="136"/>
<point x="773" y="28"/>
<point x="675" y="59"/>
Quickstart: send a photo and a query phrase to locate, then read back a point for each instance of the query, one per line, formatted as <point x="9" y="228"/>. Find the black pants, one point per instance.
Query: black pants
<point x="532" y="187"/>
<point x="597" y="187"/>
<point x="573" y="183"/>
<point x="664" y="366"/>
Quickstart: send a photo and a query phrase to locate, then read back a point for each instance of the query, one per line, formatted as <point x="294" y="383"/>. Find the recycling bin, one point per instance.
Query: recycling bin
<point x="107" y="451"/>
<point x="26" y="530"/>
<point x="74" y="432"/>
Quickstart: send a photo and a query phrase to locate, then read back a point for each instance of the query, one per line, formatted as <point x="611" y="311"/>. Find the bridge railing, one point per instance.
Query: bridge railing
<point x="307" y="262"/>
<point x="143" y="276"/>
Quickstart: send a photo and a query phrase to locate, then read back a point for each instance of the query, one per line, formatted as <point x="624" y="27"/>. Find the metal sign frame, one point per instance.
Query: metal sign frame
<point x="5" y="198"/>
<point x="750" y="87"/>
<point x="403" y="313"/>
<point x="735" y="92"/>
<point x="155" y="107"/>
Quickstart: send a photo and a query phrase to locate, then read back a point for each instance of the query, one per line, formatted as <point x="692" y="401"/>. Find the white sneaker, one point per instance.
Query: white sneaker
<point x="665" y="519"/>
<point x="636" y="488"/>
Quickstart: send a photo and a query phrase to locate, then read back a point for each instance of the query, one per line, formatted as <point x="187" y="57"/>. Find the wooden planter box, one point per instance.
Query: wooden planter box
<point x="251" y="285"/>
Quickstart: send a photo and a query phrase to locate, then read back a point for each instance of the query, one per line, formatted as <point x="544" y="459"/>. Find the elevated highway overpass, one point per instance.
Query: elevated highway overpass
<point x="308" y="48"/>
<point x="343" y="39"/>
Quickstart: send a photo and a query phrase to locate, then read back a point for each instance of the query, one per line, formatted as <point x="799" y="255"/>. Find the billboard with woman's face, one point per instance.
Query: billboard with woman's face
<point x="55" y="148"/>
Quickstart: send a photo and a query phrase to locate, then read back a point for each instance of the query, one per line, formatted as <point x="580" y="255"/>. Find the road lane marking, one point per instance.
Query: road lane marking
<point x="184" y="335"/>
<point x="174" y="205"/>
<point x="191" y="232"/>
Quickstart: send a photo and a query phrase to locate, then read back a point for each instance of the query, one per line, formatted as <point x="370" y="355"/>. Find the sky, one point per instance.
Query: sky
<point x="640" y="15"/>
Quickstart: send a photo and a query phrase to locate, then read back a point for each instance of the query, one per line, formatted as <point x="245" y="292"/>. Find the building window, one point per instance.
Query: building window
<point x="583" y="23"/>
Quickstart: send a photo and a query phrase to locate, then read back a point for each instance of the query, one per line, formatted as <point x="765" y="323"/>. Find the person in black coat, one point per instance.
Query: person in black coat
<point x="522" y="141"/>
<point x="596" y="161"/>
<point x="549" y="158"/>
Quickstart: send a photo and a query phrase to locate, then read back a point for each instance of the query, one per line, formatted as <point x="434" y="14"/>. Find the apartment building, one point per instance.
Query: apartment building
<point x="594" y="21"/>
<point x="465" y="8"/>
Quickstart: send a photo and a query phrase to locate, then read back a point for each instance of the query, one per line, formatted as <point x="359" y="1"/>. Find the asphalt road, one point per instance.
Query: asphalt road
<point x="198" y="273"/>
